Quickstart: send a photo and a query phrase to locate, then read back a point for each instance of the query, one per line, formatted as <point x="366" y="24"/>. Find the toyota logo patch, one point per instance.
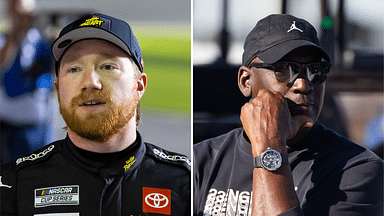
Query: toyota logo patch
<point x="157" y="200"/>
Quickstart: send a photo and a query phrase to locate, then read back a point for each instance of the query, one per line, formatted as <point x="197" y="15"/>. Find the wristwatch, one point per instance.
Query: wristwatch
<point x="270" y="160"/>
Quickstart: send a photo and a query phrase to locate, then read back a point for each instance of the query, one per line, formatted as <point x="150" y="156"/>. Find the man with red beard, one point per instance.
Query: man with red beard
<point x="102" y="167"/>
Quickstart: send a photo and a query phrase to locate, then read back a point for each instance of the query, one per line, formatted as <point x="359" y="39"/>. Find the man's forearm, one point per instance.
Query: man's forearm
<point x="273" y="192"/>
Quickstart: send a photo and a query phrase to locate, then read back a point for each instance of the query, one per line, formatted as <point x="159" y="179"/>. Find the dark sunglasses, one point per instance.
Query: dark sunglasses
<point x="287" y="72"/>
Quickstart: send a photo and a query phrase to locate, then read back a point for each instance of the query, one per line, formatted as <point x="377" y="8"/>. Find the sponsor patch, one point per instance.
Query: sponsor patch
<point x="172" y="157"/>
<point x="33" y="157"/>
<point x="129" y="162"/>
<point x="94" y="21"/>
<point x="60" y="195"/>
<point x="157" y="200"/>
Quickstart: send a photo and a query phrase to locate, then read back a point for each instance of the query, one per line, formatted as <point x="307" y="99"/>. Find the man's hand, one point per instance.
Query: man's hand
<point x="267" y="122"/>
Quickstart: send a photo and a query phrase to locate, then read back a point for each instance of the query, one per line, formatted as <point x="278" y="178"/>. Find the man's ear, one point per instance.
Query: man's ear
<point x="244" y="81"/>
<point x="141" y="84"/>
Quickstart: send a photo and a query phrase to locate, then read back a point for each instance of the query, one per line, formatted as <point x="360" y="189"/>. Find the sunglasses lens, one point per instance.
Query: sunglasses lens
<point x="316" y="72"/>
<point x="286" y="72"/>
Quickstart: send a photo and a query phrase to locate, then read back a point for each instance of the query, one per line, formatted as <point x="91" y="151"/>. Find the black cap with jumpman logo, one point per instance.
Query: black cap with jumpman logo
<point x="276" y="35"/>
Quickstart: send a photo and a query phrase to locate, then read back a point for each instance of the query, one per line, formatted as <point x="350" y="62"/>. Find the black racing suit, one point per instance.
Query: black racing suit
<point x="62" y="179"/>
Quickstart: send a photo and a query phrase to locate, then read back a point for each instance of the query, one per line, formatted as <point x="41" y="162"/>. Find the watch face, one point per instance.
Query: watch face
<point x="271" y="160"/>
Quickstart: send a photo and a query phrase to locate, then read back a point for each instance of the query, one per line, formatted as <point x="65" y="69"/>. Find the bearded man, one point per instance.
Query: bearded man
<point x="102" y="167"/>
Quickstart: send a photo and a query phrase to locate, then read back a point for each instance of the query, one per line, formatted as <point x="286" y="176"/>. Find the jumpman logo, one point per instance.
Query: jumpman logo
<point x="293" y="27"/>
<point x="3" y="185"/>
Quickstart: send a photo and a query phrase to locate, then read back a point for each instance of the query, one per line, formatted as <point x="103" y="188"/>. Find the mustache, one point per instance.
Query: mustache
<point x="84" y="96"/>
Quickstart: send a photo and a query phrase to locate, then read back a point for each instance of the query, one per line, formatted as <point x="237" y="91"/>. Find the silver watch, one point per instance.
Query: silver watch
<point x="270" y="160"/>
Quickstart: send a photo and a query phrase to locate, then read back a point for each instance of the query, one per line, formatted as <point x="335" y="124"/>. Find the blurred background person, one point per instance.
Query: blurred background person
<point x="25" y="82"/>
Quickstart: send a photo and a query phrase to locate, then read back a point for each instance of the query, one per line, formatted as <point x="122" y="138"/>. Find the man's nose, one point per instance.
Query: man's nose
<point x="302" y="84"/>
<point x="91" y="80"/>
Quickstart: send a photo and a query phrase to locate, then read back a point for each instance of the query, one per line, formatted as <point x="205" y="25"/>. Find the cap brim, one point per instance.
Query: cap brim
<point x="82" y="34"/>
<point x="277" y="52"/>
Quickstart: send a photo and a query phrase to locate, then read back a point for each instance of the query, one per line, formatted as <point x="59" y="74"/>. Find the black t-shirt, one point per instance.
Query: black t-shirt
<point x="61" y="179"/>
<point x="332" y="176"/>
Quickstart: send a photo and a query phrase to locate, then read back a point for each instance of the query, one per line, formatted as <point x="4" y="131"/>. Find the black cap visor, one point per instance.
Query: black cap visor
<point x="63" y="43"/>
<point x="278" y="51"/>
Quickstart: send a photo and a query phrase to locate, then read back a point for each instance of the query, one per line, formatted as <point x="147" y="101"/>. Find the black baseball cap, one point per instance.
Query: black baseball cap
<point x="276" y="35"/>
<point x="98" y="26"/>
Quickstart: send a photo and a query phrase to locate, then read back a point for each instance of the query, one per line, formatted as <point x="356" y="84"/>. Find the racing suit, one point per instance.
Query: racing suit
<point x="62" y="179"/>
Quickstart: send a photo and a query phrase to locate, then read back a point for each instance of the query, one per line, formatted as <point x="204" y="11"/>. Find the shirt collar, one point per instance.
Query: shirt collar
<point x="108" y="164"/>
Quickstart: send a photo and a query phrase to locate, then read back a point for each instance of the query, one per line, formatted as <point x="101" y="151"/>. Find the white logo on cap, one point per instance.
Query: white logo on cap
<point x="293" y="27"/>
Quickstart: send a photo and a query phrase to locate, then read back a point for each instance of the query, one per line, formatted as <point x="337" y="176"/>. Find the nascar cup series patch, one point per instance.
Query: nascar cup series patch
<point x="157" y="200"/>
<point x="60" y="195"/>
